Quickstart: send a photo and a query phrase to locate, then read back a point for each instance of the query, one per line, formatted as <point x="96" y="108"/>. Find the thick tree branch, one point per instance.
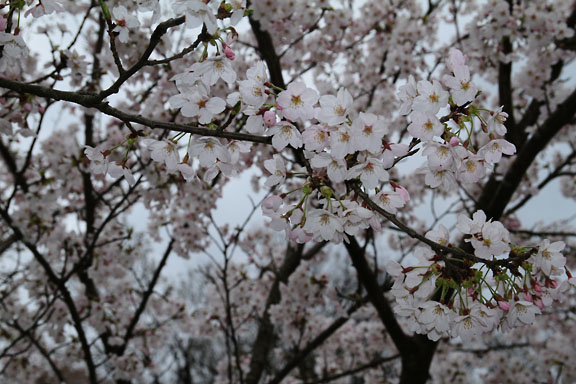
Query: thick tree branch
<point x="267" y="51"/>
<point x="376" y="296"/>
<point x="19" y="179"/>
<point x="513" y="135"/>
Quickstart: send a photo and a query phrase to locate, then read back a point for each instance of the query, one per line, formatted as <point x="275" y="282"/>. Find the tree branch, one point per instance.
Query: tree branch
<point x="90" y="100"/>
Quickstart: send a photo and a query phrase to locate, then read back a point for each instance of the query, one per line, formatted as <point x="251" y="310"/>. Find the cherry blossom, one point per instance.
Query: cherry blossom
<point x="214" y="68"/>
<point x="431" y="97"/>
<point x="334" y="109"/>
<point x="425" y="126"/>
<point x="195" y="102"/>
<point x="324" y="225"/>
<point x="492" y="152"/>
<point x="462" y="89"/>
<point x="13" y="48"/>
<point x="277" y="168"/>
<point x="367" y="132"/>
<point x="164" y="151"/>
<point x="285" y="133"/>
<point x="124" y="22"/>
<point x="197" y="12"/>
<point x="297" y="102"/>
<point x="549" y="259"/>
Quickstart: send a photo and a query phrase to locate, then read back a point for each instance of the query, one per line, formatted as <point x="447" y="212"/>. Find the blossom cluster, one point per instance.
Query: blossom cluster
<point x="505" y="287"/>
<point x="454" y="158"/>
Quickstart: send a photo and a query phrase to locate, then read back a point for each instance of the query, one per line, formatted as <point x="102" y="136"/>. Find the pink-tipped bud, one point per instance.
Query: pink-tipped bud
<point x="553" y="283"/>
<point x="537" y="287"/>
<point x="470" y="291"/>
<point x="527" y="297"/>
<point x="454" y="141"/>
<point x="403" y="194"/>
<point x="228" y="52"/>
<point x="269" y="118"/>
<point x="504" y="305"/>
<point x="539" y="303"/>
<point x="278" y="107"/>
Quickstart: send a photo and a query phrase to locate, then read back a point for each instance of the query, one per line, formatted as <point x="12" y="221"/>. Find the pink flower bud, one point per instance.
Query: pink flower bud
<point x="537" y="287"/>
<point x="403" y="194"/>
<point x="454" y="141"/>
<point x="504" y="305"/>
<point x="553" y="283"/>
<point x="27" y="107"/>
<point x="269" y="118"/>
<point x="527" y="297"/>
<point x="228" y="52"/>
<point x="539" y="303"/>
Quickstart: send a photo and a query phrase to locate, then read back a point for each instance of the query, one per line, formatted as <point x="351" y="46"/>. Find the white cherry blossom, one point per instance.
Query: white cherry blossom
<point x="285" y="133"/>
<point x="124" y="22"/>
<point x="341" y="143"/>
<point x="214" y="68"/>
<point x="335" y="167"/>
<point x="549" y="258"/>
<point x="431" y="97"/>
<point x="425" y="126"/>
<point x="277" y="168"/>
<point x="208" y="150"/>
<point x="164" y="151"/>
<point x="494" y="241"/>
<point x="522" y="312"/>
<point x="324" y="225"/>
<point x="197" y="12"/>
<point x="297" y="102"/>
<point x="371" y="173"/>
<point x="195" y="102"/>
<point x="406" y="94"/>
<point x="334" y="109"/>
<point x="315" y="138"/>
<point x="367" y="132"/>
<point x="461" y="87"/>
<point x="492" y="152"/>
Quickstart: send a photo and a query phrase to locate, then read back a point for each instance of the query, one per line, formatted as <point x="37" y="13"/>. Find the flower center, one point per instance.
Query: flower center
<point x="201" y="103"/>
<point x="296" y="100"/>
